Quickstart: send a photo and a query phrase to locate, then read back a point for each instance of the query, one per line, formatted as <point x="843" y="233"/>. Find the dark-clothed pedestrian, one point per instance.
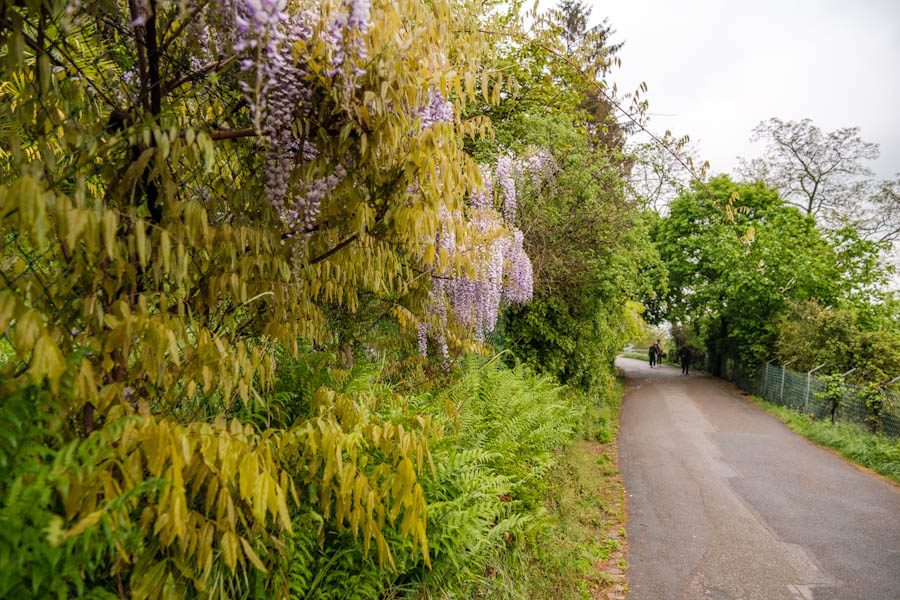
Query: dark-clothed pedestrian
<point x="653" y="354"/>
<point x="684" y="355"/>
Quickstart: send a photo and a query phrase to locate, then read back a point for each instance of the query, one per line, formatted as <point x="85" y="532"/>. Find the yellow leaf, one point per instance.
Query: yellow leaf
<point x="47" y="361"/>
<point x="178" y="511"/>
<point x="248" y="473"/>
<point x="29" y="326"/>
<point x="165" y="250"/>
<point x="7" y="308"/>
<point x="84" y="387"/>
<point x="88" y="521"/>
<point x="140" y="241"/>
<point x="260" y="497"/>
<point x="470" y="86"/>
<point x="229" y="546"/>
<point x="75" y="221"/>
<point x="110" y="222"/>
<point x="252" y="557"/>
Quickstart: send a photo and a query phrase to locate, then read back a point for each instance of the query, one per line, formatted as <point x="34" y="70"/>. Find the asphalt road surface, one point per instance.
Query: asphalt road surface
<point x="725" y="502"/>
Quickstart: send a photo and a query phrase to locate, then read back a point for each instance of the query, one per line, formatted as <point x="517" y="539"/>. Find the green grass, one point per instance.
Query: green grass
<point x="584" y="501"/>
<point x="880" y="453"/>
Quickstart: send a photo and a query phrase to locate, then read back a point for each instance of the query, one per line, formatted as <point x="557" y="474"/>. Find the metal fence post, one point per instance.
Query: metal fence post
<point x="808" y="379"/>
<point x="783" y="373"/>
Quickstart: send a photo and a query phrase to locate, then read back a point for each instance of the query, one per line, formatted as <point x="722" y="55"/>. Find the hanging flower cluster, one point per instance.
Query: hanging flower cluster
<point x="519" y="282"/>
<point x="437" y="110"/>
<point x="481" y="198"/>
<point x="278" y="89"/>
<point x="504" y="172"/>
<point x="504" y="273"/>
<point x="538" y="165"/>
<point x="301" y="214"/>
<point x="343" y="36"/>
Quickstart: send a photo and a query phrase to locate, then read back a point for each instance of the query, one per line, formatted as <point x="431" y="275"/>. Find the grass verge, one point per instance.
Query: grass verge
<point x="877" y="452"/>
<point x="581" y="554"/>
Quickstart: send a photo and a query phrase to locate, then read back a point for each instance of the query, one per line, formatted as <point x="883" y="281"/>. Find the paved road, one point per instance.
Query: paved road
<point x="726" y="503"/>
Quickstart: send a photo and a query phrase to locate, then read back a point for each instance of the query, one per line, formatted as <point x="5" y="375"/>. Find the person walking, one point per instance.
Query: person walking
<point x="684" y="355"/>
<point x="653" y="354"/>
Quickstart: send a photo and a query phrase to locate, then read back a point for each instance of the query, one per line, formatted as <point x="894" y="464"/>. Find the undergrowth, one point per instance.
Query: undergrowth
<point x="493" y="436"/>
<point x="878" y="452"/>
<point x="499" y="431"/>
<point x="582" y="501"/>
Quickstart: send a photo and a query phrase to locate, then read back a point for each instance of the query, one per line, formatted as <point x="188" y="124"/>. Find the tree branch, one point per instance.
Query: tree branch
<point x="171" y="86"/>
<point x="233" y="134"/>
<point x="340" y="245"/>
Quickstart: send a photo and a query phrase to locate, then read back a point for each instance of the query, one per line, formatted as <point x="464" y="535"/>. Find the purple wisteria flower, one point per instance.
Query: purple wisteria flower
<point x="482" y="198"/>
<point x="344" y="36"/>
<point x="518" y="287"/>
<point x="437" y="110"/>
<point x="504" y="174"/>
<point x="505" y="272"/>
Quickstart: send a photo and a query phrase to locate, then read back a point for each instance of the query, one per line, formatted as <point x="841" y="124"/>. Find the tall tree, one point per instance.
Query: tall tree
<point x="729" y="285"/>
<point x="881" y="220"/>
<point x="595" y="53"/>
<point x="822" y="174"/>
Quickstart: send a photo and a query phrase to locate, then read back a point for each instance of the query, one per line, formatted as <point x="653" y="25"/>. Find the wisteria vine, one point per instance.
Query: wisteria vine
<point x="504" y="275"/>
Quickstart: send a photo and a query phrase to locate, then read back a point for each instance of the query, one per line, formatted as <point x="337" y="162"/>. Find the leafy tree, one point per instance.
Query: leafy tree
<point x="588" y="247"/>
<point x="190" y="194"/>
<point x="837" y="337"/>
<point x="729" y="278"/>
<point x="581" y="233"/>
<point x="593" y="49"/>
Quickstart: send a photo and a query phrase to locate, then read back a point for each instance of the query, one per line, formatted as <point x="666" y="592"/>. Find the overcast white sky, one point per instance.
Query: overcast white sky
<point x="716" y="68"/>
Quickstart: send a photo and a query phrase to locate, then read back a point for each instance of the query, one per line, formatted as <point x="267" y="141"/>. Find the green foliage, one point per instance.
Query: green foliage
<point x="587" y="243"/>
<point x="837" y="337"/>
<point x="874" y="451"/>
<point x="504" y="426"/>
<point x="175" y="423"/>
<point x="877" y="403"/>
<point x="734" y="268"/>
<point x="589" y="249"/>
<point x="833" y="395"/>
<point x="584" y="500"/>
<point x="33" y="466"/>
<point x="494" y="437"/>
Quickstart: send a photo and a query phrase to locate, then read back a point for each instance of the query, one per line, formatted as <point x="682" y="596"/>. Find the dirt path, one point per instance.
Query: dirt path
<point x="725" y="502"/>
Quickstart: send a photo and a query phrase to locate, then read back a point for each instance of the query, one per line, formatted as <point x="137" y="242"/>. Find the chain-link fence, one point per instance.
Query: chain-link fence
<point x="805" y="392"/>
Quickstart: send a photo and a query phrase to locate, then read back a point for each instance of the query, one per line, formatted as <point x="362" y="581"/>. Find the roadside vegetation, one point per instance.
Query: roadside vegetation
<point x="580" y="555"/>
<point x="308" y="300"/>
